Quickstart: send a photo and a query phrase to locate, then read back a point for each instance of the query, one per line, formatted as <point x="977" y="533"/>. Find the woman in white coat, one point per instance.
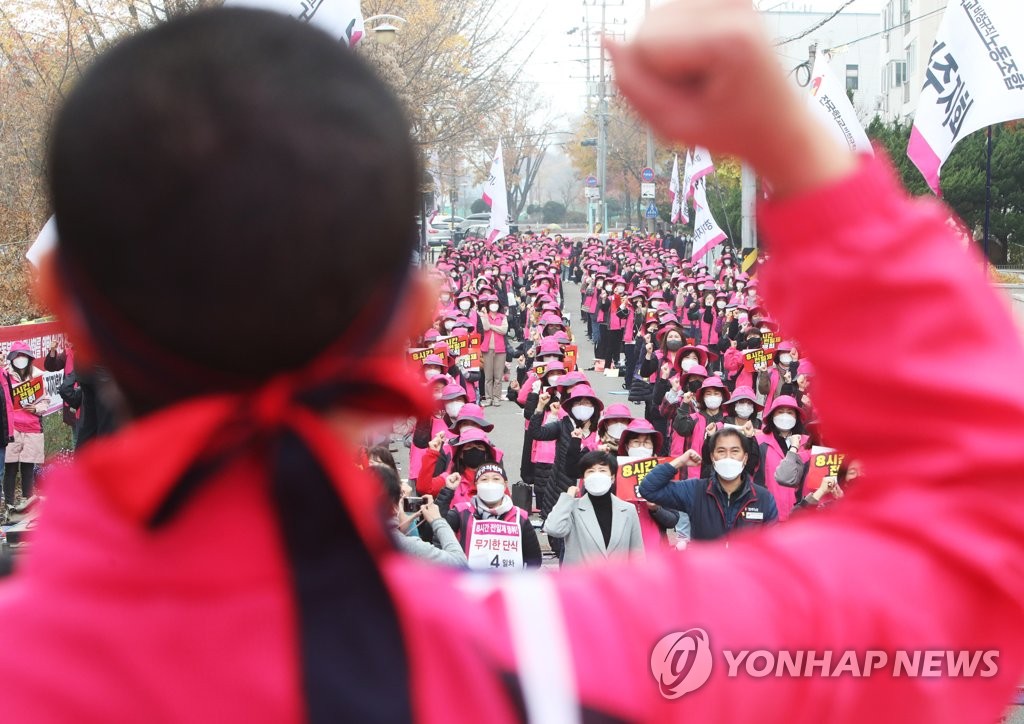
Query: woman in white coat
<point x="597" y="525"/>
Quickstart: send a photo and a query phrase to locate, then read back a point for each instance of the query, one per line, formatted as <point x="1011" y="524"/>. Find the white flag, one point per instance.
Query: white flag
<point x="679" y="213"/>
<point x="701" y="166"/>
<point x="342" y="19"/>
<point x="830" y="105"/>
<point x="44" y="243"/>
<point x="972" y="79"/>
<point x="496" y="197"/>
<point x="706" y="232"/>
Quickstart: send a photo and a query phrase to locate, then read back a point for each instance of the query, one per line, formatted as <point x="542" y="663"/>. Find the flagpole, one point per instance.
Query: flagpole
<point x="725" y="212"/>
<point x="988" y="189"/>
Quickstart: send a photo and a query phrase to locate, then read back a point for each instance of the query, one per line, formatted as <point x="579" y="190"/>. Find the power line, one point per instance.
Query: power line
<point x="894" y="27"/>
<point x="811" y="29"/>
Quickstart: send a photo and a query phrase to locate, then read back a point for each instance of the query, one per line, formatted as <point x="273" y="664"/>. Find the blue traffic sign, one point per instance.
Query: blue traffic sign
<point x="647" y="175"/>
<point x="652" y="211"/>
<point x="592" y="182"/>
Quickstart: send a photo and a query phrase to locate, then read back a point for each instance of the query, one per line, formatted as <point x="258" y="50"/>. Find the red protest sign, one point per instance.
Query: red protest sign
<point x="26" y="393"/>
<point x="571" y="354"/>
<point x="770" y="340"/>
<point x="467" y="348"/>
<point x="631" y="473"/>
<point x="756" y="360"/>
<point x="825" y="463"/>
<point x="418" y="354"/>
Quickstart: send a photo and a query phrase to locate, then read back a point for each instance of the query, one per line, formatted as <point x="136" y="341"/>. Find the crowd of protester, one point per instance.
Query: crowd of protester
<point x="733" y="438"/>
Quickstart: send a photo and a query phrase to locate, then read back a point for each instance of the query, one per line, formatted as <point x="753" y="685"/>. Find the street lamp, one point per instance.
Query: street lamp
<point x="385" y="33"/>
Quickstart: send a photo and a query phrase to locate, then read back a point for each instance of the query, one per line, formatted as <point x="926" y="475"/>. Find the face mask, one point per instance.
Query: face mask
<point x="720" y="305"/>
<point x="728" y="469"/>
<point x="449" y="326"/>
<point x="784" y="421"/>
<point x="431" y="373"/>
<point x="693" y="385"/>
<point x="597" y="483"/>
<point x="607" y="287"/>
<point x="739" y="286"/>
<point x="688" y="364"/>
<point x="674" y="345"/>
<point x="712" y="402"/>
<point x="619" y="290"/>
<point x="462" y="269"/>
<point x="616" y="429"/>
<point x="453" y="408"/>
<point x="474" y="458"/>
<point x="445" y="298"/>
<point x="640" y="452"/>
<point x="465" y="305"/>
<point x="491" y="493"/>
<point x="655" y="304"/>
<point x="744" y="319"/>
<point x="20" y="363"/>
<point x="785" y="359"/>
<point x="583" y="412"/>
<point x="744" y="409"/>
<point x="709" y="301"/>
<point x="493" y="307"/>
<point x="727" y="262"/>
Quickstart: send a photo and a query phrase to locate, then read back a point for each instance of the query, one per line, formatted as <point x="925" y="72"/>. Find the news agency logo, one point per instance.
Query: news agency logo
<point x="682" y="661"/>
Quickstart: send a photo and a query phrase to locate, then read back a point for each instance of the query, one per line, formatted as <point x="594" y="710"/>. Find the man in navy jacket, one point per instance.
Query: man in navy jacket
<point x="717" y="504"/>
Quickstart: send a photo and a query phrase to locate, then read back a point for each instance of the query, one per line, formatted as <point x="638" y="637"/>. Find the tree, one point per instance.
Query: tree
<point x="963" y="182"/>
<point x="479" y="207"/>
<point x="554" y="212"/>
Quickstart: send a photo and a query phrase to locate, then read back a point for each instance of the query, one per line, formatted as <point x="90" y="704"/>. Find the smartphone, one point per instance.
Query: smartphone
<point x="412" y="505"/>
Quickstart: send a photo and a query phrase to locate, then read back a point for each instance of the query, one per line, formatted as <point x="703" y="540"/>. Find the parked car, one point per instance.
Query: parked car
<point x="439" y="230"/>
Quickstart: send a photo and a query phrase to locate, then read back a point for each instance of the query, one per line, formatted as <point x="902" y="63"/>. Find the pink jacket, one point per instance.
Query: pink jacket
<point x="182" y="625"/>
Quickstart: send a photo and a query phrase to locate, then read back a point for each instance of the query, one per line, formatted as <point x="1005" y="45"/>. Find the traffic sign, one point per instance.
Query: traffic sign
<point x="647" y="191"/>
<point x="647" y="175"/>
<point x="652" y="211"/>
<point x="592" y="182"/>
<point x="592" y="193"/>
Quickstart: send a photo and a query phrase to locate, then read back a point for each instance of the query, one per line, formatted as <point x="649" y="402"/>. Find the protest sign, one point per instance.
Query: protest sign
<point x="825" y="463"/>
<point x="770" y="340"/>
<point x="631" y="473"/>
<point x="756" y="360"/>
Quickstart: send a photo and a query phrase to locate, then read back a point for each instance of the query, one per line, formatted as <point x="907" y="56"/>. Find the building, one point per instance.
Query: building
<point x="853" y="41"/>
<point x="909" y="30"/>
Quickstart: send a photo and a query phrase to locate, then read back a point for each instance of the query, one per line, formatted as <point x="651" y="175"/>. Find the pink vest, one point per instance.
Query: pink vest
<point x="437" y="426"/>
<point x="544" y="450"/>
<point x="490" y="335"/>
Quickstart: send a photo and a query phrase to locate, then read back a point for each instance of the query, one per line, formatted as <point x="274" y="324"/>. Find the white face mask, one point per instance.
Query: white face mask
<point x="784" y="421"/>
<point x="597" y="483"/>
<point x="449" y="326"/>
<point x="431" y="373"/>
<point x="20" y="363"/>
<point x="720" y="304"/>
<point x="785" y="360"/>
<point x="744" y="409"/>
<point x="490" y="493"/>
<point x="688" y="364"/>
<point x="640" y="452"/>
<point x="728" y="469"/>
<point x="493" y="307"/>
<point x="583" y="412"/>
<point x="465" y="305"/>
<point x="553" y="380"/>
<point x="712" y="402"/>
<point x="616" y="429"/>
<point x="453" y="408"/>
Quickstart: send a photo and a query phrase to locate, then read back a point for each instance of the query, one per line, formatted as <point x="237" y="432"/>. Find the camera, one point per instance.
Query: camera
<point x="412" y="505"/>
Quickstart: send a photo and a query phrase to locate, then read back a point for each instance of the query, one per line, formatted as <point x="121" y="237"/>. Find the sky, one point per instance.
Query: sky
<point x="557" y="64"/>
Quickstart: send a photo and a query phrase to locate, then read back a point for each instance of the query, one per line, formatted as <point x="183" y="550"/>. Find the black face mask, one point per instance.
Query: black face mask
<point x="474" y="458"/>
<point x="693" y="386"/>
<point x="674" y="345"/>
<point x="754" y="343"/>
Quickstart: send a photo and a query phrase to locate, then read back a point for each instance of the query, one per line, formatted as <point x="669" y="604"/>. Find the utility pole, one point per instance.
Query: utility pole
<point x="650" y="135"/>
<point x="748" y="205"/>
<point x="602" y="129"/>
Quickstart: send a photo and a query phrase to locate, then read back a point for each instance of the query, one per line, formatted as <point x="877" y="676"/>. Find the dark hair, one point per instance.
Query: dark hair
<point x="382" y="453"/>
<point x="597" y="457"/>
<point x="389" y="479"/>
<point x="724" y="433"/>
<point x="210" y="179"/>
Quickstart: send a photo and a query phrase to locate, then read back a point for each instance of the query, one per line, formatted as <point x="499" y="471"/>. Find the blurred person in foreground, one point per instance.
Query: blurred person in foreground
<point x="221" y="558"/>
